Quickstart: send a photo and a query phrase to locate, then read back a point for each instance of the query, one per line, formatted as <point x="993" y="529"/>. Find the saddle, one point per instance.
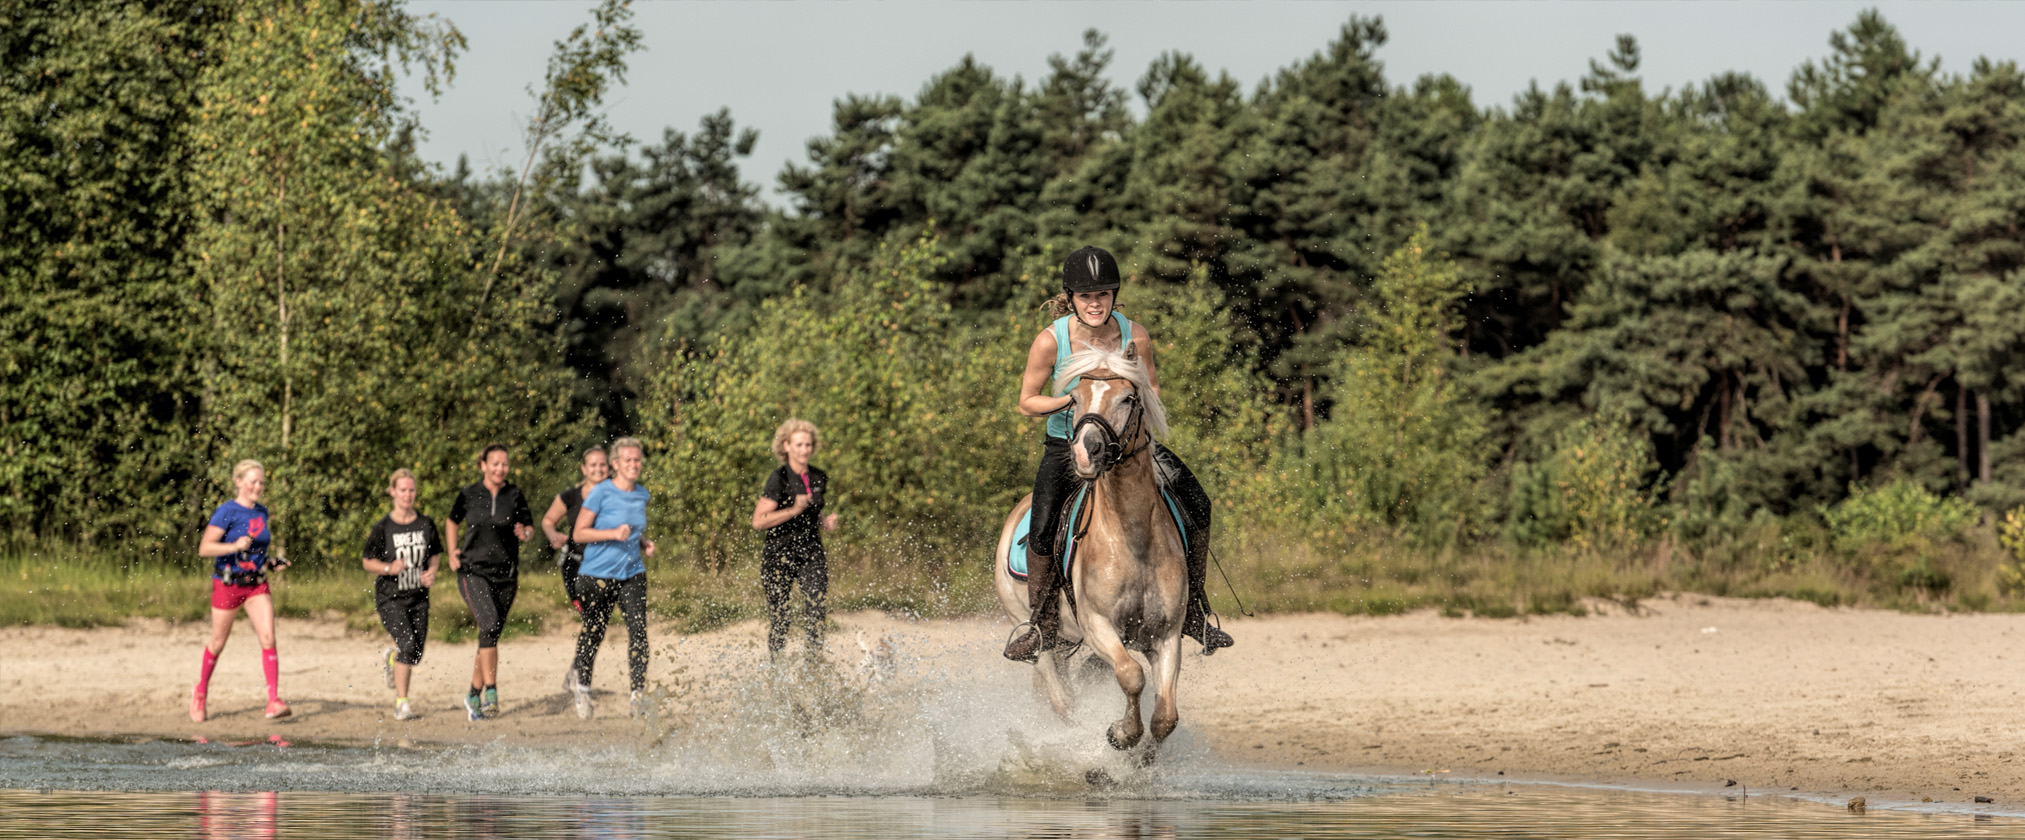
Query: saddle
<point x="1073" y="510"/>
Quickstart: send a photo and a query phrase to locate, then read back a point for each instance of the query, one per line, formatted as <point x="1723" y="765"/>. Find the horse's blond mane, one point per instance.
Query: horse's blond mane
<point x="1114" y="361"/>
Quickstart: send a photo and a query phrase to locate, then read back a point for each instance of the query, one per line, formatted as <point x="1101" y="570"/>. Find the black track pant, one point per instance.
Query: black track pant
<point x="490" y="600"/>
<point x="780" y="569"/>
<point x="599" y="596"/>
<point x="406" y="617"/>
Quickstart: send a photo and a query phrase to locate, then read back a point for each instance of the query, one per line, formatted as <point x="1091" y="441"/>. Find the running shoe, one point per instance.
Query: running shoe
<point x="196" y="705"/>
<point x="580" y="697"/>
<point x="491" y="704"/>
<point x="278" y="709"/>
<point x="570" y="679"/>
<point x="639" y="706"/>
<point x="387" y="666"/>
<point x="403" y="711"/>
<point x="471" y="707"/>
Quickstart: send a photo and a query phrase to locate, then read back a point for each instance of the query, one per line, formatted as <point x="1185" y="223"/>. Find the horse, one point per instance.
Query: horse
<point x="1128" y="587"/>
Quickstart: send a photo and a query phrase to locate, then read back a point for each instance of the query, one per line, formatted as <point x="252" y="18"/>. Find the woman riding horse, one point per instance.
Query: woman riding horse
<point x="1087" y="318"/>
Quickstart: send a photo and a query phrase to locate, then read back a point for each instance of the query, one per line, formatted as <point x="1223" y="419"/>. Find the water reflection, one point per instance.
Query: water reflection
<point x="1443" y="811"/>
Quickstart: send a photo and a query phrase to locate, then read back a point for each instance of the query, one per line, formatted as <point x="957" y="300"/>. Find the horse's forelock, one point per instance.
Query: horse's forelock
<point x="1095" y="360"/>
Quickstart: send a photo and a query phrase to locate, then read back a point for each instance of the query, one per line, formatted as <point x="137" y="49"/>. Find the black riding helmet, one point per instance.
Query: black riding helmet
<point x="1089" y="269"/>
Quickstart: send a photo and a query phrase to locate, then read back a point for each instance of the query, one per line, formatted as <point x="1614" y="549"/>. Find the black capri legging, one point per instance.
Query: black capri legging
<point x="780" y="569"/>
<point x="406" y="618"/>
<point x="599" y="596"/>
<point x="489" y="600"/>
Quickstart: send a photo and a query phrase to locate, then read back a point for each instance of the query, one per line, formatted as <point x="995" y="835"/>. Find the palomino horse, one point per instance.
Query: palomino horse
<point x="1130" y="578"/>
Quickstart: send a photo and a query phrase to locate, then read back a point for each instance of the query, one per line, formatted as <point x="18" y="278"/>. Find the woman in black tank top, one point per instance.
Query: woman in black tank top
<point x="562" y="516"/>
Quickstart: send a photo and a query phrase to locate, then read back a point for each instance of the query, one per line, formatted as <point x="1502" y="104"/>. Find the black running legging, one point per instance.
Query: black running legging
<point x="572" y="562"/>
<point x="406" y="617"/>
<point x="599" y="596"/>
<point x="489" y="600"/>
<point x="780" y="569"/>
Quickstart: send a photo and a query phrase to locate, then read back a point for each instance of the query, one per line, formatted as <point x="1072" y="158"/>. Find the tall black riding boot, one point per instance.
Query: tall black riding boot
<point x="1047" y="622"/>
<point x="1196" y="625"/>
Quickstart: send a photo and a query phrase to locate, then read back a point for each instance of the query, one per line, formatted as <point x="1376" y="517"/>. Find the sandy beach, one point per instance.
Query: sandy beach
<point x="1684" y="692"/>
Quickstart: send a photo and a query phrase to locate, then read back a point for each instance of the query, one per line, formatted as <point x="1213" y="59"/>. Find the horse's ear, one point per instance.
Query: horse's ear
<point x="1131" y="351"/>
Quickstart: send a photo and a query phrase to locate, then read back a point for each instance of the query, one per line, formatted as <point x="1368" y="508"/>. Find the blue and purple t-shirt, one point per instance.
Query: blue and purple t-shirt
<point x="237" y="520"/>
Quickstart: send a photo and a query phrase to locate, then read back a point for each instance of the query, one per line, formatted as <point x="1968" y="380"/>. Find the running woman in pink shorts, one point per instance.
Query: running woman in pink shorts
<point x="236" y="539"/>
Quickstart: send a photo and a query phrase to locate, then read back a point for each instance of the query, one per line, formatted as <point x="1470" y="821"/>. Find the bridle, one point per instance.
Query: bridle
<point x="1112" y="450"/>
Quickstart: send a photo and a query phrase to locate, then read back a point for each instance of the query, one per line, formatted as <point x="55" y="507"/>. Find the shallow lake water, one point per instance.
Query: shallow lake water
<point x="65" y="788"/>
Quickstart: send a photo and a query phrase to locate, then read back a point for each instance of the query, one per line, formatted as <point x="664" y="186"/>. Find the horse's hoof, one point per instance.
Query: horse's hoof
<point x="1097" y="778"/>
<point x="1144" y="759"/>
<point x="1120" y="741"/>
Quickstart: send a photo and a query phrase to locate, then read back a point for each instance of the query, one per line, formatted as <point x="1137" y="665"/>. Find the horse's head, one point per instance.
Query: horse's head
<point x="1116" y="413"/>
<point x="1110" y="422"/>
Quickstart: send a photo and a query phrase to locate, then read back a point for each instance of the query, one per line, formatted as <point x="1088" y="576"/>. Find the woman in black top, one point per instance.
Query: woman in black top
<point x="790" y="511"/>
<point x="487" y="524"/>
<point x="561" y="518"/>
<point x="403" y="550"/>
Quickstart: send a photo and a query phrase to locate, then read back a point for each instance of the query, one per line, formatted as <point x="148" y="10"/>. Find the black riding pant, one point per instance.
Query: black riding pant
<point x="599" y="596"/>
<point x="781" y="568"/>
<point x="1053" y="483"/>
<point x="1056" y="479"/>
<point x="490" y="600"/>
<point x="406" y="617"/>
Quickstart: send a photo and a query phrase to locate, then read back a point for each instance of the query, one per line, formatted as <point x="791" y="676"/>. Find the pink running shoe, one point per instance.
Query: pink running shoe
<point x="196" y="705"/>
<point x="278" y="709"/>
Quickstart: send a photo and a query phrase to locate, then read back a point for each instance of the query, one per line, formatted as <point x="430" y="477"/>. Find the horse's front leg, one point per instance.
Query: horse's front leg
<point x="1103" y="638"/>
<point x="1166" y="661"/>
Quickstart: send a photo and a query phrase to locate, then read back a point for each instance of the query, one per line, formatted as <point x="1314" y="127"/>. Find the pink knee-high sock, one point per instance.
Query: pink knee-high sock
<point x="270" y="665"/>
<point x="204" y="676"/>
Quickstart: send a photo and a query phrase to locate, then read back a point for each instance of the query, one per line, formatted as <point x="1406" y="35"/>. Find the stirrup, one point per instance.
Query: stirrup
<point x="1014" y="638"/>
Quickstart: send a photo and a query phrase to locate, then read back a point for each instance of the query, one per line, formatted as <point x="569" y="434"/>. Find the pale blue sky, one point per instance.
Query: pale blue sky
<point x="780" y="65"/>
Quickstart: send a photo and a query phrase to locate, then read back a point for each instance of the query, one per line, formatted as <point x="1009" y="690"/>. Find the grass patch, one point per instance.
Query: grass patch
<point x="1273" y="571"/>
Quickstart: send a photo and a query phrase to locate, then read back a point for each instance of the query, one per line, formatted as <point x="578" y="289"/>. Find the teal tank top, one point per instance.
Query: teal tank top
<point x="1059" y="422"/>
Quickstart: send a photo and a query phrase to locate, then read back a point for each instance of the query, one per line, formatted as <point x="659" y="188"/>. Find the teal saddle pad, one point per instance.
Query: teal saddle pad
<point x="1016" y="555"/>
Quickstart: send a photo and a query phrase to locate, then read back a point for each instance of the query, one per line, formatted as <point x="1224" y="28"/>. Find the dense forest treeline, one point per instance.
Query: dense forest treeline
<point x="1745" y="330"/>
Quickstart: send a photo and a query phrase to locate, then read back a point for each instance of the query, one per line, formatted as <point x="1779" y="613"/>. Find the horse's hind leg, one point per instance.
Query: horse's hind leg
<point x="1048" y="672"/>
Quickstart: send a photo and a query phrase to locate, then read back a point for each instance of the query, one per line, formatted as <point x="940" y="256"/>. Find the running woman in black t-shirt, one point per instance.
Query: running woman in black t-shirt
<point x="402" y="549"/>
<point x="487" y="523"/>
<point x="790" y="511"/>
<point x="561" y="518"/>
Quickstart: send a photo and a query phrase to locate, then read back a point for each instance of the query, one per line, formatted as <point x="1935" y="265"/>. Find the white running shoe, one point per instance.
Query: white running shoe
<point x="403" y="711"/>
<point x="570" y="679"/>
<point x="471" y="708"/>
<point x="580" y="697"/>
<point x="387" y="666"/>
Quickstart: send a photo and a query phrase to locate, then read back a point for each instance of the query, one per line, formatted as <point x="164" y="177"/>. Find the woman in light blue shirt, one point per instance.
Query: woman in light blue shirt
<point x="612" y="528"/>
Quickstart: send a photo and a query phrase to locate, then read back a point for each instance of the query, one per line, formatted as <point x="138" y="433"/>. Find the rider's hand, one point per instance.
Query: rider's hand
<point x="397" y="566"/>
<point x="830" y="522"/>
<point x="624" y="531"/>
<point x="557" y="542"/>
<point x="647" y="547"/>
<point x="456" y="562"/>
<point x="802" y="502"/>
<point x="429" y="578"/>
<point x="522" y="532"/>
<point x="242" y="543"/>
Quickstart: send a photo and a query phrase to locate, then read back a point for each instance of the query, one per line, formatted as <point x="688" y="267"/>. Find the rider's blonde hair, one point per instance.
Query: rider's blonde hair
<point x="402" y="473"/>
<point x="240" y="469"/>
<point x="786" y="433"/>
